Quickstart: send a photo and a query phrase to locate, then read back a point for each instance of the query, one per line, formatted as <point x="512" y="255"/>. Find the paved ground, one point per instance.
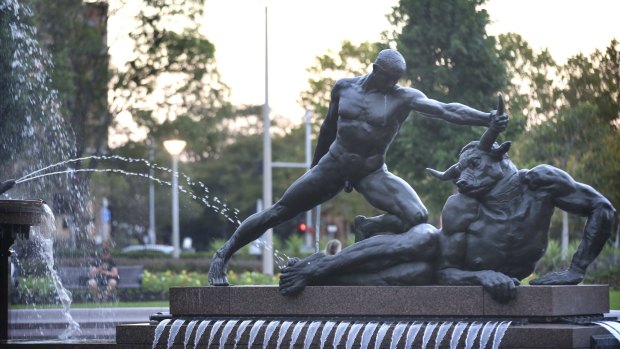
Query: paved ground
<point x="95" y="323"/>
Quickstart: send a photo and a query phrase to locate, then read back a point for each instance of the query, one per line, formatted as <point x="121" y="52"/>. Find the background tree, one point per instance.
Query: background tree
<point x="171" y="84"/>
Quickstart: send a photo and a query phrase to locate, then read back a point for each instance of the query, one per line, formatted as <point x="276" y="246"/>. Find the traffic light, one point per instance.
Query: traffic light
<point x="302" y="227"/>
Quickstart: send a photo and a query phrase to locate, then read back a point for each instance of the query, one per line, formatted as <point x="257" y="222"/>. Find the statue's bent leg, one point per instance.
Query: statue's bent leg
<point x="373" y="255"/>
<point x="404" y="274"/>
<point x="315" y="187"/>
<point x="391" y="194"/>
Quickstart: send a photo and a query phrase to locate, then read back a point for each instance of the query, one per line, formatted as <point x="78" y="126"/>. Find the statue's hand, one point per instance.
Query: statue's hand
<point x="499" y="122"/>
<point x="566" y="277"/>
<point x="502" y="287"/>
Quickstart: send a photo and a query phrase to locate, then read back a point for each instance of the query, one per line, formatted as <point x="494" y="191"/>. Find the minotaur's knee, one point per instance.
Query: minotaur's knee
<point x="425" y="239"/>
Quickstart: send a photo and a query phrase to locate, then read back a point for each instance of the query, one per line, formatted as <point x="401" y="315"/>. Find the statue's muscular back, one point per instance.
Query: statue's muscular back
<point x="368" y="121"/>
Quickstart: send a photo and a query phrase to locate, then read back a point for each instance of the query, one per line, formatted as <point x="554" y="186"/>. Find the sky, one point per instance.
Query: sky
<point x="298" y="31"/>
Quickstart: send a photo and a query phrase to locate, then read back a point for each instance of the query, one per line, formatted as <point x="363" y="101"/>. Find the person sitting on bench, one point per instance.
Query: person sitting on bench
<point x="103" y="275"/>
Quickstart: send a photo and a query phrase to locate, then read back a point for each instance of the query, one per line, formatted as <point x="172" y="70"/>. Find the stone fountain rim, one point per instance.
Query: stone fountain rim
<point x="21" y="212"/>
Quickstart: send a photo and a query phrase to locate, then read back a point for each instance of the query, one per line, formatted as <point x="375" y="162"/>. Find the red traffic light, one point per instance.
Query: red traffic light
<point x="302" y="227"/>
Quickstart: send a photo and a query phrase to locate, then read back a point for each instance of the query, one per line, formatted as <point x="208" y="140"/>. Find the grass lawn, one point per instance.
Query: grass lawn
<point x="614" y="299"/>
<point x="97" y="305"/>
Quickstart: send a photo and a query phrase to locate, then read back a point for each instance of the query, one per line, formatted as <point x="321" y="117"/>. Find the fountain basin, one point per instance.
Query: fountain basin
<point x="541" y="316"/>
<point x="16" y="218"/>
<point x="19" y="215"/>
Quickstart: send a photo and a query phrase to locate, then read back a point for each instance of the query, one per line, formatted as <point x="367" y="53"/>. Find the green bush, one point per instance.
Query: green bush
<point x="604" y="270"/>
<point x="552" y="260"/>
<point x="155" y="286"/>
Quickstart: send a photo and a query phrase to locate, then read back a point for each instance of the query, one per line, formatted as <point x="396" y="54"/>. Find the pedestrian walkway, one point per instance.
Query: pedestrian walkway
<point x="95" y="323"/>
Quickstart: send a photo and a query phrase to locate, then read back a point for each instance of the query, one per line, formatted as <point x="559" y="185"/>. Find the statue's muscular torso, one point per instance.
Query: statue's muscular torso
<point x="368" y="121"/>
<point x="506" y="233"/>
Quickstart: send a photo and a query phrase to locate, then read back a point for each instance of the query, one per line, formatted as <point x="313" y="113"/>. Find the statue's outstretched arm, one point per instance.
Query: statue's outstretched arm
<point x="452" y="112"/>
<point x="580" y="199"/>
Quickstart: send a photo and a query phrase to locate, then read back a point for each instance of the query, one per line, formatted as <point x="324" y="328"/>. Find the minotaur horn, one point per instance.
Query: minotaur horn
<point x="490" y="135"/>
<point x="451" y="173"/>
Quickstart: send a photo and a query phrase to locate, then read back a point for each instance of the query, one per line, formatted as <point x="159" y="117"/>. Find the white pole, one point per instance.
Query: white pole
<point x="564" y="241"/>
<point x="308" y="163"/>
<point x="175" y="207"/>
<point x="267" y="185"/>
<point x="152" y="238"/>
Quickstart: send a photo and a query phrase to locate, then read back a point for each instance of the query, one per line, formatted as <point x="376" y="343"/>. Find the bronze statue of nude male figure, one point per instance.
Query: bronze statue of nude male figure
<point x="365" y="115"/>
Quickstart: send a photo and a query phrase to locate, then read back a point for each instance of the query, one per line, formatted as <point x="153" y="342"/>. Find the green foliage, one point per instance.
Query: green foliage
<point x="160" y="283"/>
<point x="606" y="268"/>
<point x="576" y="118"/>
<point x="552" y="260"/>
<point x="74" y="33"/>
<point x="351" y="60"/>
<point x="172" y="59"/>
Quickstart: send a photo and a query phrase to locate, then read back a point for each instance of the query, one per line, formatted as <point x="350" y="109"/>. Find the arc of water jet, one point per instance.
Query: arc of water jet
<point x="355" y="329"/>
<point x="499" y="333"/>
<point x="55" y="165"/>
<point x="226" y="332"/>
<point x="441" y="333"/>
<point x="397" y="333"/>
<point x="381" y="334"/>
<point x="459" y="328"/>
<point x="369" y="331"/>
<point x="412" y="332"/>
<point x="222" y="210"/>
<point x="327" y="329"/>
<point x="158" y="331"/>
<point x="486" y="333"/>
<point x="214" y="329"/>
<point x="174" y="330"/>
<point x="312" y="328"/>
<point x="472" y="333"/>
<point x="611" y="326"/>
<point x="254" y="332"/>
<point x="340" y="330"/>
<point x="428" y="331"/>
<point x="240" y="330"/>
<point x="200" y="331"/>
<point x="188" y="332"/>
<point x="296" y="331"/>
<point x="282" y="332"/>
<point x="271" y="327"/>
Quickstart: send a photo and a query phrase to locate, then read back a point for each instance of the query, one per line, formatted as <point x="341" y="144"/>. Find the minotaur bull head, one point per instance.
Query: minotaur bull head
<point x="481" y="163"/>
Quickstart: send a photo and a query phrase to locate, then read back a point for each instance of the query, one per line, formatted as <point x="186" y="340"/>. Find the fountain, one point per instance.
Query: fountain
<point x="341" y="316"/>
<point x="16" y="218"/>
<point x="321" y="290"/>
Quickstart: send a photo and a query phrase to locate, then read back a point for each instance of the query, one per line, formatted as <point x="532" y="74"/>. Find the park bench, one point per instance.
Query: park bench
<point x="77" y="277"/>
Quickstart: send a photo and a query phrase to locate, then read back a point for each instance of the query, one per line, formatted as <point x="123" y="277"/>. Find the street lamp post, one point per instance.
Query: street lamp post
<point x="175" y="147"/>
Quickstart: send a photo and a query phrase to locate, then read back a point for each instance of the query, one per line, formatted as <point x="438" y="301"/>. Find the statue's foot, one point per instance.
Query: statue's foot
<point x="217" y="271"/>
<point x="292" y="261"/>
<point x="358" y="230"/>
<point x="296" y="275"/>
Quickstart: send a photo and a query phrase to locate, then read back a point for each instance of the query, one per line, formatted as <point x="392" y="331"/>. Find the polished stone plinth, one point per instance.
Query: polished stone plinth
<point x="531" y="301"/>
<point x="538" y="316"/>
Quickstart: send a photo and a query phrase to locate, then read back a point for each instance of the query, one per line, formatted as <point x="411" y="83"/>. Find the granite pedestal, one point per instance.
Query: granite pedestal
<point x="541" y="316"/>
